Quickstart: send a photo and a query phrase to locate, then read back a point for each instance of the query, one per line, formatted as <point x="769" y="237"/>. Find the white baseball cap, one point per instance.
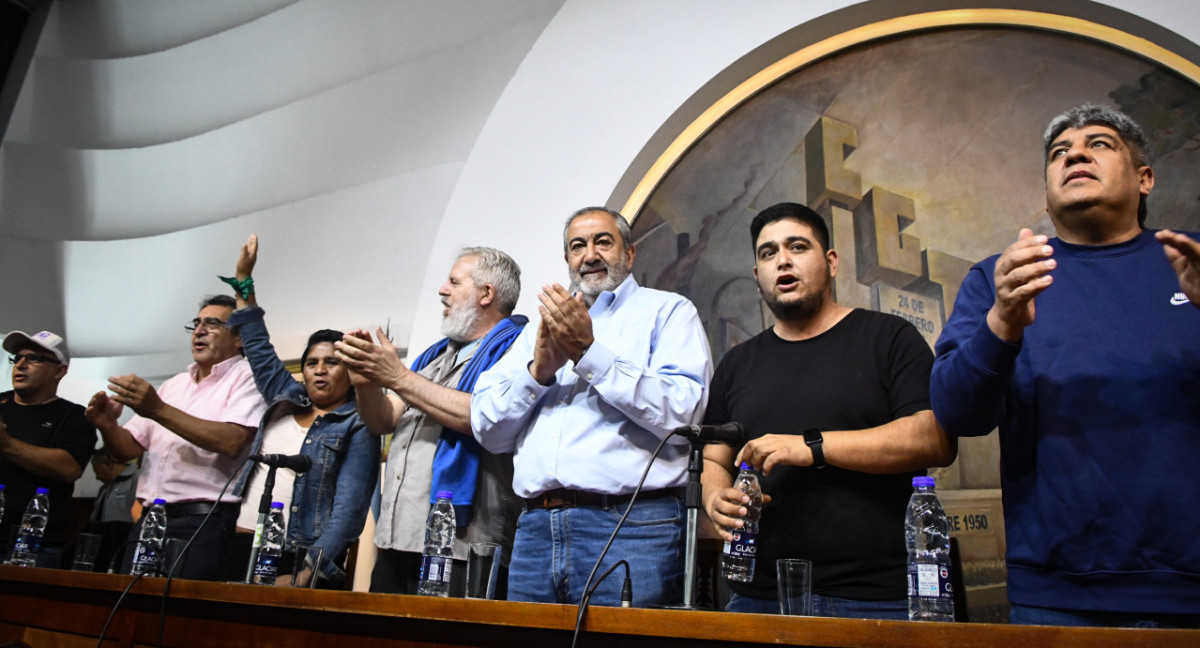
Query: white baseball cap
<point x="47" y="340"/>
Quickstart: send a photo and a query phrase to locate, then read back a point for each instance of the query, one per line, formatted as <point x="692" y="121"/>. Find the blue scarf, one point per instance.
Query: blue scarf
<point x="456" y="459"/>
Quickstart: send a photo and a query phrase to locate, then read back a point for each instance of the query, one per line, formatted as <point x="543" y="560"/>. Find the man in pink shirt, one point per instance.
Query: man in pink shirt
<point x="195" y="431"/>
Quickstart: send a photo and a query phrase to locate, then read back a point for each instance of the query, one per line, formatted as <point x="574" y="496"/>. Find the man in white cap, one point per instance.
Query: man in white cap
<point x="45" y="441"/>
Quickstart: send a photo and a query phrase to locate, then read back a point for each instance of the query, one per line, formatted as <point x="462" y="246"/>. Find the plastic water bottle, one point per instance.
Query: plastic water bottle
<point x="147" y="555"/>
<point x="437" y="561"/>
<point x="266" y="566"/>
<point x="33" y="526"/>
<point x="927" y="532"/>
<point x="737" y="559"/>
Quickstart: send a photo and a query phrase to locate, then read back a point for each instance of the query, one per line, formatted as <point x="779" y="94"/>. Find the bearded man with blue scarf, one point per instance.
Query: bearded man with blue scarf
<point x="427" y="406"/>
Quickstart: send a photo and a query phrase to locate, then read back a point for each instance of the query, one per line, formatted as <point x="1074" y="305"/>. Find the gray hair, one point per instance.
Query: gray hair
<point x="1096" y="115"/>
<point x="1091" y="115"/>
<point x="498" y="269"/>
<point x="622" y="224"/>
<point x="218" y="300"/>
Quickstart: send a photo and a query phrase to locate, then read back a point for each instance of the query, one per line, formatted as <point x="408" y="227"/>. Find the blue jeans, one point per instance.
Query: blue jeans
<point x="554" y="551"/>
<point x="826" y="606"/>
<point x="1030" y="615"/>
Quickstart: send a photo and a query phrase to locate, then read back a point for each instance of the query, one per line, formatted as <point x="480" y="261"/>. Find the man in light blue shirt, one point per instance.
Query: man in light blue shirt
<point x="583" y="400"/>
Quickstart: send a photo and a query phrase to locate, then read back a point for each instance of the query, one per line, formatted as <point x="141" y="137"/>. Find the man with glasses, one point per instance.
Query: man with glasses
<point x="45" y="441"/>
<point x="195" y="431"/>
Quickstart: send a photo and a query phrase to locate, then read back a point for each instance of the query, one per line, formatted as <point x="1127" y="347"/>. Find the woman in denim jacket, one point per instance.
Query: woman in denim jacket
<point x="329" y="503"/>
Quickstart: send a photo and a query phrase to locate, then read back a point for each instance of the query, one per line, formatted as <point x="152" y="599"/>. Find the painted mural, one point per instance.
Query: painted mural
<point x="924" y="155"/>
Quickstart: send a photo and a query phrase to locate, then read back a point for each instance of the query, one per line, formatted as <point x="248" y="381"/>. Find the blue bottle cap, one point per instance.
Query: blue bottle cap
<point x="276" y="505"/>
<point x="445" y="495"/>
<point x="745" y="466"/>
<point x="42" y="491"/>
<point x="158" y="501"/>
<point x="922" y="481"/>
<point x="1" y="486"/>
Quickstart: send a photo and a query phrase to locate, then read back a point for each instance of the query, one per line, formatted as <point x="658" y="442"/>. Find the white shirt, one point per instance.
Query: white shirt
<point x="597" y="425"/>
<point x="284" y="436"/>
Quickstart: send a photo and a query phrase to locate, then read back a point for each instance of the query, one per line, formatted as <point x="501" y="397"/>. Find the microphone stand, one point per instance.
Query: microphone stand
<point x="264" y="507"/>
<point x="692" y="503"/>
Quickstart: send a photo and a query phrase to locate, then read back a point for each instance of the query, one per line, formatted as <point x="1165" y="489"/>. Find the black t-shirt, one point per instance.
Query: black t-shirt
<point x="57" y="424"/>
<point x="869" y="369"/>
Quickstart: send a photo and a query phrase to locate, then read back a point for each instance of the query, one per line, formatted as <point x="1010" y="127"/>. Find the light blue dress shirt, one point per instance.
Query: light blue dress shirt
<point x="596" y="426"/>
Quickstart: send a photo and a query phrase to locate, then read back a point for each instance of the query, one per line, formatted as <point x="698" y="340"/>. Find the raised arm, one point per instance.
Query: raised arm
<point x="243" y="286"/>
<point x="270" y="374"/>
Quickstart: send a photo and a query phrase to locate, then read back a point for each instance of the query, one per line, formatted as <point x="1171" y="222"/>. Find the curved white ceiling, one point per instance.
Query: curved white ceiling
<point x="151" y="136"/>
<point x="120" y="28"/>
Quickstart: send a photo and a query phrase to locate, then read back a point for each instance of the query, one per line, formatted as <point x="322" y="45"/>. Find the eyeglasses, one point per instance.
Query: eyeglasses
<point x="31" y="358"/>
<point x="209" y="323"/>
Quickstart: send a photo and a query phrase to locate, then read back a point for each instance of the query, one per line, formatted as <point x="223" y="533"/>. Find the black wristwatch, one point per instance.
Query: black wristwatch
<point x="813" y="439"/>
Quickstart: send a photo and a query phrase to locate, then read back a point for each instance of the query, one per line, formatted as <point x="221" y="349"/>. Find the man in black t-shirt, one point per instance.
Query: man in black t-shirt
<point x="45" y="441"/>
<point x="836" y="402"/>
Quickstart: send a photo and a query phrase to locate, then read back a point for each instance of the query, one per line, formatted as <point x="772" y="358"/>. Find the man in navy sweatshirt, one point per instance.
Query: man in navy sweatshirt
<point x="1085" y="350"/>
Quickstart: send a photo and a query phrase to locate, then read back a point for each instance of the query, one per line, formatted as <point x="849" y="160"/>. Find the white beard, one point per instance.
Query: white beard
<point x="591" y="289"/>
<point x="460" y="323"/>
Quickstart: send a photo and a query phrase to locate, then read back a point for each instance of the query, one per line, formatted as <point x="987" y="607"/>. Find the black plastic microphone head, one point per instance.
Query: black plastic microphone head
<point x="732" y="434"/>
<point x="301" y="463"/>
<point x="296" y="463"/>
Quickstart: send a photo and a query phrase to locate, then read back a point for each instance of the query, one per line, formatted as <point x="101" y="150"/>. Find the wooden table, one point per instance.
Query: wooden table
<point x="61" y="609"/>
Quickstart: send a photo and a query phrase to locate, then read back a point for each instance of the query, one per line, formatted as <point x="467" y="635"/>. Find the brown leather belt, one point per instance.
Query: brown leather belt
<point x="564" y="498"/>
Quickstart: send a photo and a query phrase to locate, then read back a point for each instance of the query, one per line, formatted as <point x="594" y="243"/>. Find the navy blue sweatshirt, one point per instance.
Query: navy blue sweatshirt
<point x="1098" y="408"/>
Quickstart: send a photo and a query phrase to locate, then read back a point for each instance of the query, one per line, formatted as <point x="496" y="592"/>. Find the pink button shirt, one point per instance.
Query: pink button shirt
<point x="175" y="469"/>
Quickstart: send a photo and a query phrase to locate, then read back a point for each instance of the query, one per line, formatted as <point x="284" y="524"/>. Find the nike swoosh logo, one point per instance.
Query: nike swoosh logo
<point x="1179" y="299"/>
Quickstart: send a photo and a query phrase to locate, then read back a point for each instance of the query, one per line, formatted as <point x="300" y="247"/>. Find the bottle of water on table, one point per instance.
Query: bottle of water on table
<point x="737" y="558"/>
<point x="266" y="566"/>
<point x="927" y="533"/>
<point x="33" y="527"/>
<point x="437" y="561"/>
<point x="148" y="554"/>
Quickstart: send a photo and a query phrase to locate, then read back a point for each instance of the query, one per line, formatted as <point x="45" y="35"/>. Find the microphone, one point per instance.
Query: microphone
<point x="731" y="434"/>
<point x="298" y="463"/>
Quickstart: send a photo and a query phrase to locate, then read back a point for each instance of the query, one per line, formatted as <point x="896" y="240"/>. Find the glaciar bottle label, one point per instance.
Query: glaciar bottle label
<point x="743" y="545"/>
<point x="266" y="566"/>
<point x="929" y="581"/>
<point x="435" y="568"/>
<point x="26" y="544"/>
<point x="145" y="556"/>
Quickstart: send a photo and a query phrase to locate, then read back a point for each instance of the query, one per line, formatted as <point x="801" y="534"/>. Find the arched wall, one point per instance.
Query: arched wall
<point x="601" y="93"/>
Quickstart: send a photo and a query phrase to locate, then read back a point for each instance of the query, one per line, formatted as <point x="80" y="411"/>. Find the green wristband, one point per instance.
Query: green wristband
<point x="243" y="288"/>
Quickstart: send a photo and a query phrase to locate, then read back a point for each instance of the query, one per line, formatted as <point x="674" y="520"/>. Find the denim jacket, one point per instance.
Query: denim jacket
<point x="330" y="501"/>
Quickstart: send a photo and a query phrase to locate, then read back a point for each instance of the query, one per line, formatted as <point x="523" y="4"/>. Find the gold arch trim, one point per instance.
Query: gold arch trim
<point x="882" y="29"/>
